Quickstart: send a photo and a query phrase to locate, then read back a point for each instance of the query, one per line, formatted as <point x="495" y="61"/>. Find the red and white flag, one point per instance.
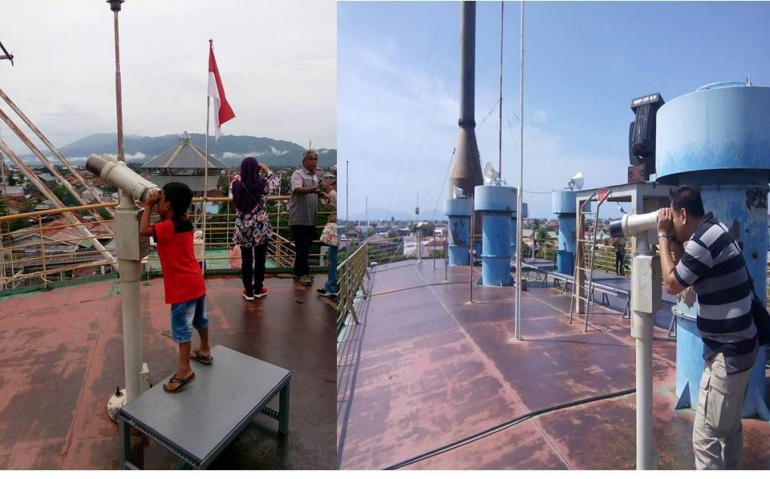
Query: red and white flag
<point x="217" y="92"/>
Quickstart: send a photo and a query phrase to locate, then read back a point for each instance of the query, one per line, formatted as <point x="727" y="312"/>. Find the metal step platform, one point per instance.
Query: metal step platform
<point x="198" y="423"/>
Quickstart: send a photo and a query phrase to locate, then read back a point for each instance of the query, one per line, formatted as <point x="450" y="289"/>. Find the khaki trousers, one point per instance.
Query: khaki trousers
<point x="717" y="434"/>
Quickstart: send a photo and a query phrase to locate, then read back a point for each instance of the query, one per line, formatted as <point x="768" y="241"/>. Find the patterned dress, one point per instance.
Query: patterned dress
<point x="254" y="228"/>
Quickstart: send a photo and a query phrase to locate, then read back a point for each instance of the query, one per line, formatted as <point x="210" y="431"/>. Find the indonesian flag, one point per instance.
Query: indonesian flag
<point x="217" y="92"/>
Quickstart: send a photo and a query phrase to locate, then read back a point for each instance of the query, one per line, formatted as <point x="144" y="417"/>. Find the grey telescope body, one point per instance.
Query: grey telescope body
<point x="118" y="174"/>
<point x="632" y="225"/>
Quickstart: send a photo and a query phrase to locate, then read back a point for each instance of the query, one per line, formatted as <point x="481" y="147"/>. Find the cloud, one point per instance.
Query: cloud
<point x="277" y="61"/>
<point x="136" y="156"/>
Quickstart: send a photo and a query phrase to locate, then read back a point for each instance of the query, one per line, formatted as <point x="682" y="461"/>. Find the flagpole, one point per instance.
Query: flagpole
<point x="224" y="114"/>
<point x="206" y="165"/>
<point x="520" y="193"/>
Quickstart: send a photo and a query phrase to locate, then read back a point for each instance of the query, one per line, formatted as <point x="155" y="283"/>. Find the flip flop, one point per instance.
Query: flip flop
<point x="198" y="356"/>
<point x="182" y="383"/>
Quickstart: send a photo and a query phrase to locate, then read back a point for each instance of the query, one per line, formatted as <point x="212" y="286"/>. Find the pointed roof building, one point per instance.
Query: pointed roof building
<point x="184" y="163"/>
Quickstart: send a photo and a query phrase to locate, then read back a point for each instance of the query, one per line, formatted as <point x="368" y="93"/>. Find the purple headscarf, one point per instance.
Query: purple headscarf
<point x="248" y="191"/>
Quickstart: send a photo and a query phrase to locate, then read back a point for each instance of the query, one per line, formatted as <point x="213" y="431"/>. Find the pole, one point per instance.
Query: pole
<point x="347" y="191"/>
<point x="645" y="277"/>
<point x="130" y="274"/>
<point x="118" y="93"/>
<point x="129" y="264"/>
<point x="500" y="101"/>
<point x="417" y="225"/>
<point x="519" y="197"/>
<point x="470" y="245"/>
<point x="206" y="168"/>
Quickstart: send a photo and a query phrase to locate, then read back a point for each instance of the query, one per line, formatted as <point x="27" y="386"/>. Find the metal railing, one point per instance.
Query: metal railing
<point x="351" y="274"/>
<point x="38" y="248"/>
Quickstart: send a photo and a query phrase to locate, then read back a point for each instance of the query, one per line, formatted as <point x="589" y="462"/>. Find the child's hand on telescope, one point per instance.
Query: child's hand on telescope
<point x="152" y="197"/>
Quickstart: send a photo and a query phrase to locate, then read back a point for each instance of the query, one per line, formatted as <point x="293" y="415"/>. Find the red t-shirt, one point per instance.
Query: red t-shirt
<point x="182" y="276"/>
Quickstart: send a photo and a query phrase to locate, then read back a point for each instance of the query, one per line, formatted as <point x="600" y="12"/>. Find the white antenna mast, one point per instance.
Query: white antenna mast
<point x="500" y="100"/>
<point x="519" y="197"/>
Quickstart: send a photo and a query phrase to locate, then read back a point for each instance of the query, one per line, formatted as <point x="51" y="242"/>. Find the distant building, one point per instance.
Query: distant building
<point x="64" y="246"/>
<point x="377" y="240"/>
<point x="185" y="163"/>
<point x="12" y="190"/>
<point x="49" y="180"/>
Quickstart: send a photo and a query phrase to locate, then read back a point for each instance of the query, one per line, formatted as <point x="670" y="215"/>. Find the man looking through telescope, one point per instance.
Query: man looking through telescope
<point x="713" y="265"/>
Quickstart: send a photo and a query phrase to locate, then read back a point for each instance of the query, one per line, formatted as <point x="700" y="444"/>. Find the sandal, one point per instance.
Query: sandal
<point x="198" y="356"/>
<point x="182" y="383"/>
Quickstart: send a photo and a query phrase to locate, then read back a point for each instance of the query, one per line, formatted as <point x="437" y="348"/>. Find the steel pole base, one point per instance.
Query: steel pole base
<point x="116" y="403"/>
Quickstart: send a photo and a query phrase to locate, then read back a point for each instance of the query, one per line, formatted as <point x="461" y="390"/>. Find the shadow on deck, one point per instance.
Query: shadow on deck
<point x="431" y="380"/>
<point x="61" y="358"/>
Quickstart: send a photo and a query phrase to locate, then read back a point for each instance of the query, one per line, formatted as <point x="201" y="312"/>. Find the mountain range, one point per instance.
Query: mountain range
<point x="229" y="149"/>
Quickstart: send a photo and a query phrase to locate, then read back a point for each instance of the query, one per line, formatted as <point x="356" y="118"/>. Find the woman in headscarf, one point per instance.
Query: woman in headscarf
<point x="252" y="226"/>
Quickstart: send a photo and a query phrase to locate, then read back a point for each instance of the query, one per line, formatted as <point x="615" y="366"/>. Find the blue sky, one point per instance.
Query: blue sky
<point x="398" y="89"/>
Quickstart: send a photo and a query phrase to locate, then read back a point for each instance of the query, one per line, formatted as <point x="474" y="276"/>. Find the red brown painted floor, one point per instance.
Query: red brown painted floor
<point x="61" y="358"/>
<point x="428" y="368"/>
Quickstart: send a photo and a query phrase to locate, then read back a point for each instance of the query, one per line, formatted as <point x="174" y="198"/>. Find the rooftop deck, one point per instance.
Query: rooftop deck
<point x="61" y="358"/>
<point x="431" y="380"/>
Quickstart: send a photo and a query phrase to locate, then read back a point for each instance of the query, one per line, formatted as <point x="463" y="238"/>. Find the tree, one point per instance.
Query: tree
<point x="64" y="195"/>
<point x="11" y="180"/>
<point x="285" y="185"/>
<point x="426" y="229"/>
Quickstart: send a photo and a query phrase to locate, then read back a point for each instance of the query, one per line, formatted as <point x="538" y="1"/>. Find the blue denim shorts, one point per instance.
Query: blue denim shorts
<point x="186" y="316"/>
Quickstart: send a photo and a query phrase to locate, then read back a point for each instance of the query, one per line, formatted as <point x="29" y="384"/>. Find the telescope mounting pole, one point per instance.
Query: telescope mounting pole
<point x="645" y="302"/>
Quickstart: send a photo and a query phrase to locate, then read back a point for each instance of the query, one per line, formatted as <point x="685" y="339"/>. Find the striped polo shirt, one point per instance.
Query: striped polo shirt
<point x="714" y="266"/>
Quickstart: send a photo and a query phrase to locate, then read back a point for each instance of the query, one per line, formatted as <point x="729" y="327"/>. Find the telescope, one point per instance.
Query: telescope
<point x="632" y="225"/>
<point x="117" y="174"/>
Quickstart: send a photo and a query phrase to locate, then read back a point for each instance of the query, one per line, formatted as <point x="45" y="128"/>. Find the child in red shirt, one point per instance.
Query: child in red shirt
<point x="183" y="282"/>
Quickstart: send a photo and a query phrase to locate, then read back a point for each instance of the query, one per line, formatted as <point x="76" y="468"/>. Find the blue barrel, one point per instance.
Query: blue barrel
<point x="514" y="219"/>
<point x="565" y="262"/>
<point x="689" y="359"/>
<point x="564" y="207"/>
<point x="496" y="204"/>
<point x="718" y="139"/>
<point x="459" y="212"/>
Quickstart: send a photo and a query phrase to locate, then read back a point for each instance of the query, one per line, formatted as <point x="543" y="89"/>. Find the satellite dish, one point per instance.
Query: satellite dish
<point x="576" y="182"/>
<point x="490" y="175"/>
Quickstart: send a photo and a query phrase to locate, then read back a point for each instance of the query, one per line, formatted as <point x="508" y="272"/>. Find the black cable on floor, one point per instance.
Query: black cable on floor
<point x="505" y="425"/>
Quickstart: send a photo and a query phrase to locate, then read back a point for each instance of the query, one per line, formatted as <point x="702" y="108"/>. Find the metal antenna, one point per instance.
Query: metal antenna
<point x="500" y="100"/>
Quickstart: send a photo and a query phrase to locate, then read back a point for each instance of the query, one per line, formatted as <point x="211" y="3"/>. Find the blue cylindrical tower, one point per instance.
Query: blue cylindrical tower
<point x="564" y="208"/>
<point x="459" y="212"/>
<point x="495" y="203"/>
<point x="514" y="217"/>
<point x="718" y="139"/>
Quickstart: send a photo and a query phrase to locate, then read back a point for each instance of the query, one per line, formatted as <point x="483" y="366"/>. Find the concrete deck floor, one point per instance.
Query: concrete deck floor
<point x="61" y="358"/>
<point x="428" y="368"/>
